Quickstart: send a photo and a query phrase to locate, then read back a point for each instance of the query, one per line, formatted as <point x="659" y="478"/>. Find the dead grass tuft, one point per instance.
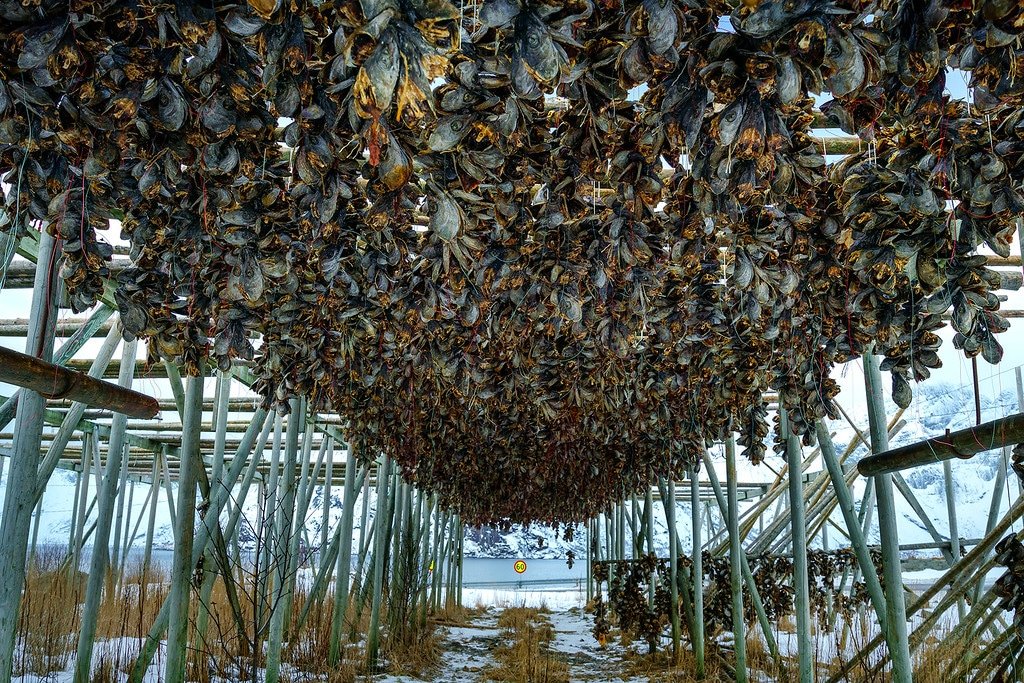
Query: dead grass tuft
<point x="526" y="656"/>
<point x="48" y="621"/>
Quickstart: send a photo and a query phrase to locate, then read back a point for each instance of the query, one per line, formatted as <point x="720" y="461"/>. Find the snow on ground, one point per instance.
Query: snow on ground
<point x="116" y="650"/>
<point x="496" y="597"/>
<point x="468" y="650"/>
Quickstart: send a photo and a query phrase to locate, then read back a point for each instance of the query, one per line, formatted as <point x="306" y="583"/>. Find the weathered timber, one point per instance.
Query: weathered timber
<point x="55" y="381"/>
<point x="964" y="443"/>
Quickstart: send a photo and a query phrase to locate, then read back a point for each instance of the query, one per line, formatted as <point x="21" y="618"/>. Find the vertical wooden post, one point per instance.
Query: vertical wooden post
<point x="437" y="557"/>
<point x="283" y="531"/>
<point x="74" y="510"/>
<point x="748" y="577"/>
<point x="673" y="561"/>
<point x="618" y="530"/>
<point x="122" y="485"/>
<point x="221" y="396"/>
<point x="326" y="490"/>
<point x="166" y="479"/>
<point x="220" y="418"/>
<point x="265" y="529"/>
<point x="380" y="545"/>
<point x="698" y="574"/>
<point x="462" y="539"/>
<point x="590" y="564"/>
<point x="204" y="533"/>
<point x="131" y="533"/>
<point x="896" y="609"/>
<point x="181" y="570"/>
<point x="424" y="559"/>
<point x="344" y="571"/>
<point x="398" y="533"/>
<point x="83" y="479"/>
<point x="860" y="548"/>
<point x="800" y="572"/>
<point x="106" y="498"/>
<point x="649" y="534"/>
<point x="954" y="531"/>
<point x="735" y="564"/>
<point x="635" y="536"/>
<point x="298" y="507"/>
<point x="21" y="478"/>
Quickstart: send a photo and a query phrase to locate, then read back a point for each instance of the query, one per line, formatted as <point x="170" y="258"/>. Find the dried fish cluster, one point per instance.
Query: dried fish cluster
<point x="629" y="584"/>
<point x="533" y="311"/>
<point x="1009" y="587"/>
<point x="1017" y="461"/>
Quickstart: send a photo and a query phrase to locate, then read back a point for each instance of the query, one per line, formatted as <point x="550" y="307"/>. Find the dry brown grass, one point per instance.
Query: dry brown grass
<point x="659" y="667"/>
<point x="48" y="621"/>
<point x="414" y="656"/>
<point x="457" y="615"/>
<point x="759" y="658"/>
<point x="49" y="617"/>
<point x="129" y="610"/>
<point x="52" y="601"/>
<point x="525" y="657"/>
<point x="938" y="658"/>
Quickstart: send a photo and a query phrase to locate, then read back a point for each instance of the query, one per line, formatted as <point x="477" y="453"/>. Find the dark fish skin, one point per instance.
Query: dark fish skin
<point x="533" y="306"/>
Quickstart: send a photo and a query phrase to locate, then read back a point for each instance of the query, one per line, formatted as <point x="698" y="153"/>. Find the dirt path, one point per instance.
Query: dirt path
<point x="469" y="650"/>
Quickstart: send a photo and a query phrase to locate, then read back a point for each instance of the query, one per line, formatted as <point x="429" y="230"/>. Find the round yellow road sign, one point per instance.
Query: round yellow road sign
<point x="519" y="566"/>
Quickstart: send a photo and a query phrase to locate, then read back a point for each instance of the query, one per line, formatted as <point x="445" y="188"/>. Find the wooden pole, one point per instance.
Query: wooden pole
<point x="205" y="531"/>
<point x="649" y="533"/>
<point x="748" y="577"/>
<point x="673" y="561"/>
<point x="61" y="357"/>
<point x="298" y="519"/>
<point x="21" y="481"/>
<point x="55" y="381"/>
<point x="952" y="583"/>
<point x="373" y="632"/>
<point x="181" y="572"/>
<point x="735" y="552"/>
<point x="36" y="517"/>
<point x="326" y="490"/>
<point x="461" y="531"/>
<point x="963" y="443"/>
<point x="590" y="563"/>
<point x="76" y="548"/>
<point x="133" y="533"/>
<point x="954" y="531"/>
<point x="860" y="548"/>
<point x="74" y="516"/>
<point x="283" y="530"/>
<point x="220" y="414"/>
<point x="425" y="559"/>
<point x="698" y="574"/>
<point x="72" y="418"/>
<point x="800" y="571"/>
<point x="896" y="612"/>
<point x="344" y="571"/>
<point x="118" y="521"/>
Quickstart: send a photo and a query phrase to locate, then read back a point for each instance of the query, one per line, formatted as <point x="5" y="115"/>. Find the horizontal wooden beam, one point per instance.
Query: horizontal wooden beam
<point x="52" y="380"/>
<point x="235" y="405"/>
<point x="964" y="443"/>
